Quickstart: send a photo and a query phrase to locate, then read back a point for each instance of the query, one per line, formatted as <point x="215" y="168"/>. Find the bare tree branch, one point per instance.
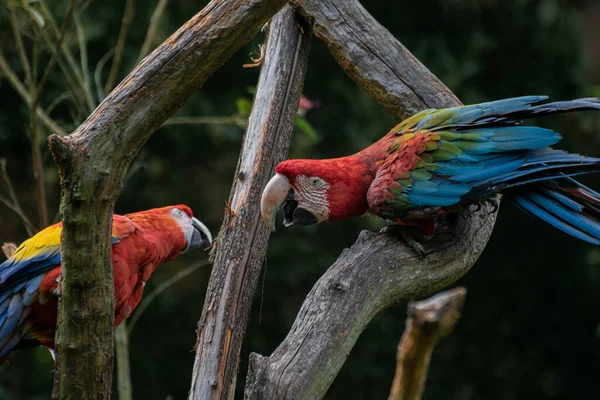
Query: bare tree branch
<point x="139" y="311"/>
<point x="379" y="270"/>
<point x="34" y="138"/>
<point x="77" y="85"/>
<point x="82" y="41"/>
<point x="239" y="251"/>
<point x="22" y="91"/>
<point x="116" y="63"/>
<point x="371" y="56"/>
<point x="16" y="31"/>
<point x="428" y="322"/>
<point x="123" y="368"/>
<point x="157" y="15"/>
<point x="14" y="203"/>
<point x="93" y="162"/>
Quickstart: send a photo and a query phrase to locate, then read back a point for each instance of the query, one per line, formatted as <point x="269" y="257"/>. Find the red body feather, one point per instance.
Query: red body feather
<point x="146" y="239"/>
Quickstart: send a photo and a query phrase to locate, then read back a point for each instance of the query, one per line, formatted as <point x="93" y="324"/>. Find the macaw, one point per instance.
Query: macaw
<point x="439" y="161"/>
<point x="30" y="277"/>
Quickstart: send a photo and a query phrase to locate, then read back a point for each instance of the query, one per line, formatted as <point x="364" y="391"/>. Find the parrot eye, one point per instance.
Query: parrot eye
<point x="316" y="182"/>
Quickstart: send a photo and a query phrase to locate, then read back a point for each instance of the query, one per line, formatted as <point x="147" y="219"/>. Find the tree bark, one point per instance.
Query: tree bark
<point x="374" y="59"/>
<point x="428" y="322"/>
<point x="92" y="164"/>
<point x="379" y="270"/>
<point x="239" y="251"/>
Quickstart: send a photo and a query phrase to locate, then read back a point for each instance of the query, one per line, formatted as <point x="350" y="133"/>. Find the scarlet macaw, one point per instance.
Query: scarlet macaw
<point x="30" y="277"/>
<point x="439" y="161"/>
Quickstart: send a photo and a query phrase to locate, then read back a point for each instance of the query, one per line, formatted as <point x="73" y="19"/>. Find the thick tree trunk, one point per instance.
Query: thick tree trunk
<point x="93" y="162"/>
<point x="239" y="251"/>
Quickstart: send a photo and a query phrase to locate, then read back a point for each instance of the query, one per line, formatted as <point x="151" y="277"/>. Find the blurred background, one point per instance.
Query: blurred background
<point x="531" y="324"/>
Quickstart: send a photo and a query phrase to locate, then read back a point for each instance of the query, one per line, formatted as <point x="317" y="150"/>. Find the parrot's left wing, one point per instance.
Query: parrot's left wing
<point x="439" y="158"/>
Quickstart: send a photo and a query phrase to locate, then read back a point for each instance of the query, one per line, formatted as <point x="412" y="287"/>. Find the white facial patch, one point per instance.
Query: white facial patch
<point x="185" y="222"/>
<point x="313" y="192"/>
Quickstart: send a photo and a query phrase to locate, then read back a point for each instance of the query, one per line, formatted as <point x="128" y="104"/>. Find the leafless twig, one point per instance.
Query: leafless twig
<point x="14" y="203"/>
<point x="116" y="62"/>
<point x="33" y="131"/>
<point x="161" y="288"/>
<point x="16" y="30"/>
<point x="123" y="366"/>
<point x="22" y="92"/>
<point x="428" y="322"/>
<point x="152" y="29"/>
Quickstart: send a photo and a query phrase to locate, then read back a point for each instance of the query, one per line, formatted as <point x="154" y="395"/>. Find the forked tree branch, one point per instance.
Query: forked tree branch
<point x="239" y="251"/>
<point x="93" y="162"/>
<point x="379" y="270"/>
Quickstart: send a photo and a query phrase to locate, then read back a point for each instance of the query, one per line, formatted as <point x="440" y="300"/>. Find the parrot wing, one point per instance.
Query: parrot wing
<point x="440" y="158"/>
<point x="22" y="274"/>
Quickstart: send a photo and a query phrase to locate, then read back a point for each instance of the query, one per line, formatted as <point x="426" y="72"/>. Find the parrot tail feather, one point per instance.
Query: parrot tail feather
<point x="514" y="115"/>
<point x="573" y="210"/>
<point x="558" y="107"/>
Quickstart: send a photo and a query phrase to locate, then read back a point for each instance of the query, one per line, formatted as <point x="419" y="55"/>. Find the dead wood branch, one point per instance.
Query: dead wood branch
<point x="239" y="251"/>
<point x="374" y="59"/>
<point x="93" y="162"/>
<point x="428" y="322"/>
<point x="378" y="271"/>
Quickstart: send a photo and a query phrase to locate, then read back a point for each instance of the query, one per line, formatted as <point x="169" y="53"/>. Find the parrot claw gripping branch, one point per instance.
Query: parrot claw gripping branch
<point x="441" y="161"/>
<point x="30" y="277"/>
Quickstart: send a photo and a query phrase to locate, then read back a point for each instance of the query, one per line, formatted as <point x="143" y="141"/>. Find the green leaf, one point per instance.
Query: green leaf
<point x="244" y="106"/>
<point x="305" y="127"/>
<point x="594" y="91"/>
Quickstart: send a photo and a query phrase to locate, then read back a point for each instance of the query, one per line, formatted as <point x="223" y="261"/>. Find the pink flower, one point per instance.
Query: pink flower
<point x="307" y="105"/>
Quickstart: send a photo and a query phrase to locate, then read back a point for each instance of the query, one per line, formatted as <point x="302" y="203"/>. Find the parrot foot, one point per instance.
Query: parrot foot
<point x="492" y="201"/>
<point x="411" y="236"/>
<point x="58" y="289"/>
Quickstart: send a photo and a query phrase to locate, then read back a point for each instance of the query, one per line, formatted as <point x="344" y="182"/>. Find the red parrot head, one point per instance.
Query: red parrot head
<point x="313" y="191"/>
<point x="195" y="233"/>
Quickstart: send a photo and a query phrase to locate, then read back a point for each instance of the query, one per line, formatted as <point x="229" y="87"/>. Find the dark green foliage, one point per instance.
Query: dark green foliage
<point x="530" y="323"/>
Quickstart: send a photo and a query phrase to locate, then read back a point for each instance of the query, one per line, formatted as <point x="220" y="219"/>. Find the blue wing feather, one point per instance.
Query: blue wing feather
<point x="482" y="150"/>
<point x="539" y="211"/>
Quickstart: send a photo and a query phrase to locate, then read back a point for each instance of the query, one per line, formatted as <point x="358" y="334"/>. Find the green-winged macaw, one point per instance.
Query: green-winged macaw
<point x="439" y="161"/>
<point x="30" y="277"/>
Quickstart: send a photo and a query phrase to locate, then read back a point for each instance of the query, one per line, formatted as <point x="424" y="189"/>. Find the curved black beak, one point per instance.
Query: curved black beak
<point x="201" y="237"/>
